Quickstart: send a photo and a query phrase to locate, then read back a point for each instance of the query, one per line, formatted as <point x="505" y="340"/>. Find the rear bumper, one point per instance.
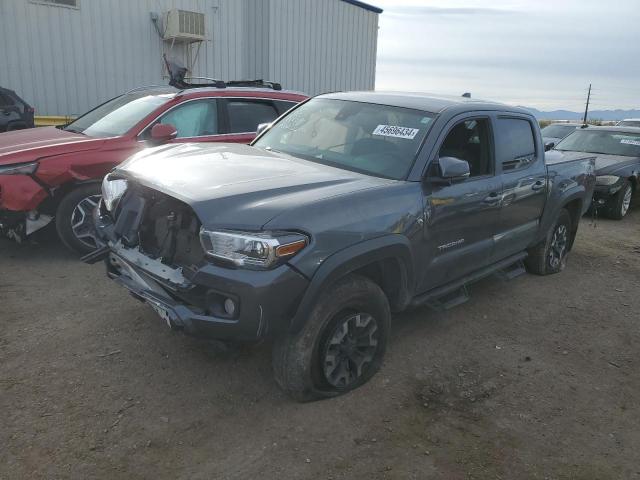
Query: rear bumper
<point x="264" y="300"/>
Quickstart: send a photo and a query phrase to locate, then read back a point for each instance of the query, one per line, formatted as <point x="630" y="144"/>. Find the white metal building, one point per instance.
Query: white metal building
<point x="66" y="56"/>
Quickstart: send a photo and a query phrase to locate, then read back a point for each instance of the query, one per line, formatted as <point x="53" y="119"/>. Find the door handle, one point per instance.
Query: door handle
<point x="493" y="198"/>
<point x="539" y="185"/>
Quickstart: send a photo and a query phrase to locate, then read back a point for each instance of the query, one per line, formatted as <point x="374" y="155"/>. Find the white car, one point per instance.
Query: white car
<point x="629" y="122"/>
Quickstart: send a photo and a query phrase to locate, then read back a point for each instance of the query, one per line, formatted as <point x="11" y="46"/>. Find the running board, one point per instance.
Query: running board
<point x="452" y="288"/>
<point x="450" y="300"/>
<point x="512" y="271"/>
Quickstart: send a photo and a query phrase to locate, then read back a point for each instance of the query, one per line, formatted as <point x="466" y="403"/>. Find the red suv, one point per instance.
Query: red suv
<point x="55" y="173"/>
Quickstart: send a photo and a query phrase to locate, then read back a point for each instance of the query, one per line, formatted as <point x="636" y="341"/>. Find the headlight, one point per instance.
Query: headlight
<point x="607" y="179"/>
<point x="252" y="250"/>
<point x="19" y="169"/>
<point x="112" y="191"/>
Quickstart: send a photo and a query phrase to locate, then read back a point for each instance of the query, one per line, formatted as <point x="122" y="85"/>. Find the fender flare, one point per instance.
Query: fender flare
<point x="550" y="216"/>
<point x="352" y="258"/>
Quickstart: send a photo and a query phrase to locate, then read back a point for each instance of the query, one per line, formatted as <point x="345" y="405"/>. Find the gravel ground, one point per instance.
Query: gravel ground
<point x="533" y="378"/>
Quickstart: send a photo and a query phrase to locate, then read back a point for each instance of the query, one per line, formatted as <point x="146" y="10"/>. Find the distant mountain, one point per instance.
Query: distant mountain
<point x="593" y="114"/>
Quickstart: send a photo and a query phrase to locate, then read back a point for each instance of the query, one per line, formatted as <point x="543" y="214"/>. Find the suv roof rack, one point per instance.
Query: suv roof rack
<point x="178" y="79"/>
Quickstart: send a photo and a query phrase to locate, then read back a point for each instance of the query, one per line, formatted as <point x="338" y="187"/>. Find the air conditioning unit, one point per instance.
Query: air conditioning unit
<point x="184" y="26"/>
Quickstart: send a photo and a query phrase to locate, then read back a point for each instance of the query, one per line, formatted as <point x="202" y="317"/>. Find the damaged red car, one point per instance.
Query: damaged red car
<point x="53" y="174"/>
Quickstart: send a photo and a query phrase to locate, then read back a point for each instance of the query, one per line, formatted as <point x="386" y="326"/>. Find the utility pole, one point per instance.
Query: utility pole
<point x="586" y="109"/>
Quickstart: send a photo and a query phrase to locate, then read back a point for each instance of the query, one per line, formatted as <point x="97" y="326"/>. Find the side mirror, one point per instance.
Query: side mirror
<point x="163" y="132"/>
<point x="451" y="169"/>
<point x="262" y="127"/>
<point x="548" y="146"/>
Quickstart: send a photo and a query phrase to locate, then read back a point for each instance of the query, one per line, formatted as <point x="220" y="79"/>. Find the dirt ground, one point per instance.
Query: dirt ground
<point x="534" y="378"/>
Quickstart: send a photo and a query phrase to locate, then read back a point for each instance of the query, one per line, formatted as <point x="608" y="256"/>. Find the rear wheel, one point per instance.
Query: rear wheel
<point x="550" y="255"/>
<point x="74" y="218"/>
<point x="340" y="347"/>
<point x="621" y="201"/>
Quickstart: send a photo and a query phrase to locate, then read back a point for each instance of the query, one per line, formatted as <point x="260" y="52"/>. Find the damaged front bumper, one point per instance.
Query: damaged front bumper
<point x="20" y="198"/>
<point x="19" y="225"/>
<point x="210" y="301"/>
<point x="604" y="194"/>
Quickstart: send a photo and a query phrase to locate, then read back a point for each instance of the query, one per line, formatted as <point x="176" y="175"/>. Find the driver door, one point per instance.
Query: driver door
<point x="462" y="216"/>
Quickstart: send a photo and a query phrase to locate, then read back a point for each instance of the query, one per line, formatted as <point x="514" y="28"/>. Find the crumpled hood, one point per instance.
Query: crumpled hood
<point x="28" y="145"/>
<point x="238" y="186"/>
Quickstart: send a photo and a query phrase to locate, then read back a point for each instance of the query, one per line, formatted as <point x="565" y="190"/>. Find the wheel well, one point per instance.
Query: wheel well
<point x="391" y="276"/>
<point x="574" y="207"/>
<point x="50" y="205"/>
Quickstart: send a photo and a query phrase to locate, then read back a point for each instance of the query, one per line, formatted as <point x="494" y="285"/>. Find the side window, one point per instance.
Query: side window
<point x="5" y="100"/>
<point x="284" y="106"/>
<point x="469" y="140"/>
<point x="517" y="143"/>
<point x="246" y="115"/>
<point x="193" y="119"/>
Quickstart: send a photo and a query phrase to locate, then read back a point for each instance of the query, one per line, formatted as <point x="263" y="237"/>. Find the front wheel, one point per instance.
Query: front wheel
<point x="621" y="201"/>
<point x="550" y="255"/>
<point x="74" y="218"/>
<point x="340" y="347"/>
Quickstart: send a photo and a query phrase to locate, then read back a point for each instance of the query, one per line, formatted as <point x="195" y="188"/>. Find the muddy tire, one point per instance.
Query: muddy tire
<point x="550" y="255"/>
<point x="340" y="347"/>
<point x="619" y="205"/>
<point x="74" y="218"/>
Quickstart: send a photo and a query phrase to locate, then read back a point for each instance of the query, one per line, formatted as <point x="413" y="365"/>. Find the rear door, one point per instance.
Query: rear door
<point x="461" y="218"/>
<point x="520" y="158"/>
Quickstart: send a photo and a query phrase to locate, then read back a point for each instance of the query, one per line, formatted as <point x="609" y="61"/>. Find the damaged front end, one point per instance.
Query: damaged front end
<point x="21" y="197"/>
<point x="152" y="248"/>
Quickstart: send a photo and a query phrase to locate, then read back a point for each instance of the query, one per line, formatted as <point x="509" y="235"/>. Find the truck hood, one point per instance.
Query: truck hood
<point x="239" y="186"/>
<point x="610" y="164"/>
<point x="31" y="144"/>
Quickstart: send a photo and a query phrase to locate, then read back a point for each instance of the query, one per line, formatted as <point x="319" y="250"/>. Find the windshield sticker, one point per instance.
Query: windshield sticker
<point x="630" y="142"/>
<point x="398" y="132"/>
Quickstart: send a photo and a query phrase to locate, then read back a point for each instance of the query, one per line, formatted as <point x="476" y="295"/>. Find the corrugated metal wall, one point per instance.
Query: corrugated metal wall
<point x="66" y="60"/>
<point x="322" y="45"/>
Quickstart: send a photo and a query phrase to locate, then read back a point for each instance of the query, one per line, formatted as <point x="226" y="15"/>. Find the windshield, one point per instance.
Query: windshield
<point x="117" y="116"/>
<point x="378" y="140"/>
<point x="557" y="131"/>
<point x="629" y="123"/>
<point x="602" y="141"/>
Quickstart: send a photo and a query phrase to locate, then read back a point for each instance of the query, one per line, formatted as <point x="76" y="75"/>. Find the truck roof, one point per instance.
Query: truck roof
<point x="423" y="101"/>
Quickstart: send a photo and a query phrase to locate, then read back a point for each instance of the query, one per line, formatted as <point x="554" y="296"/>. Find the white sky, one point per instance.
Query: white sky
<point x="536" y="53"/>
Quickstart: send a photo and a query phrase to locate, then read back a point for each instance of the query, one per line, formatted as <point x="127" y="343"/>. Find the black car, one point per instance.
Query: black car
<point x="15" y="113"/>
<point x="629" y="122"/>
<point x="554" y="132"/>
<point x="617" y="165"/>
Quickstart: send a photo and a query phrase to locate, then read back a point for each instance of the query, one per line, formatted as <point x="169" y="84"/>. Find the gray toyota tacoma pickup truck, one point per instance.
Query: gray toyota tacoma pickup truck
<point x="349" y="207"/>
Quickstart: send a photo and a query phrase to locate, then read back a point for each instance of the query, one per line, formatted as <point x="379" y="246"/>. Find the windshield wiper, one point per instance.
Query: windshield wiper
<point x="73" y="130"/>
